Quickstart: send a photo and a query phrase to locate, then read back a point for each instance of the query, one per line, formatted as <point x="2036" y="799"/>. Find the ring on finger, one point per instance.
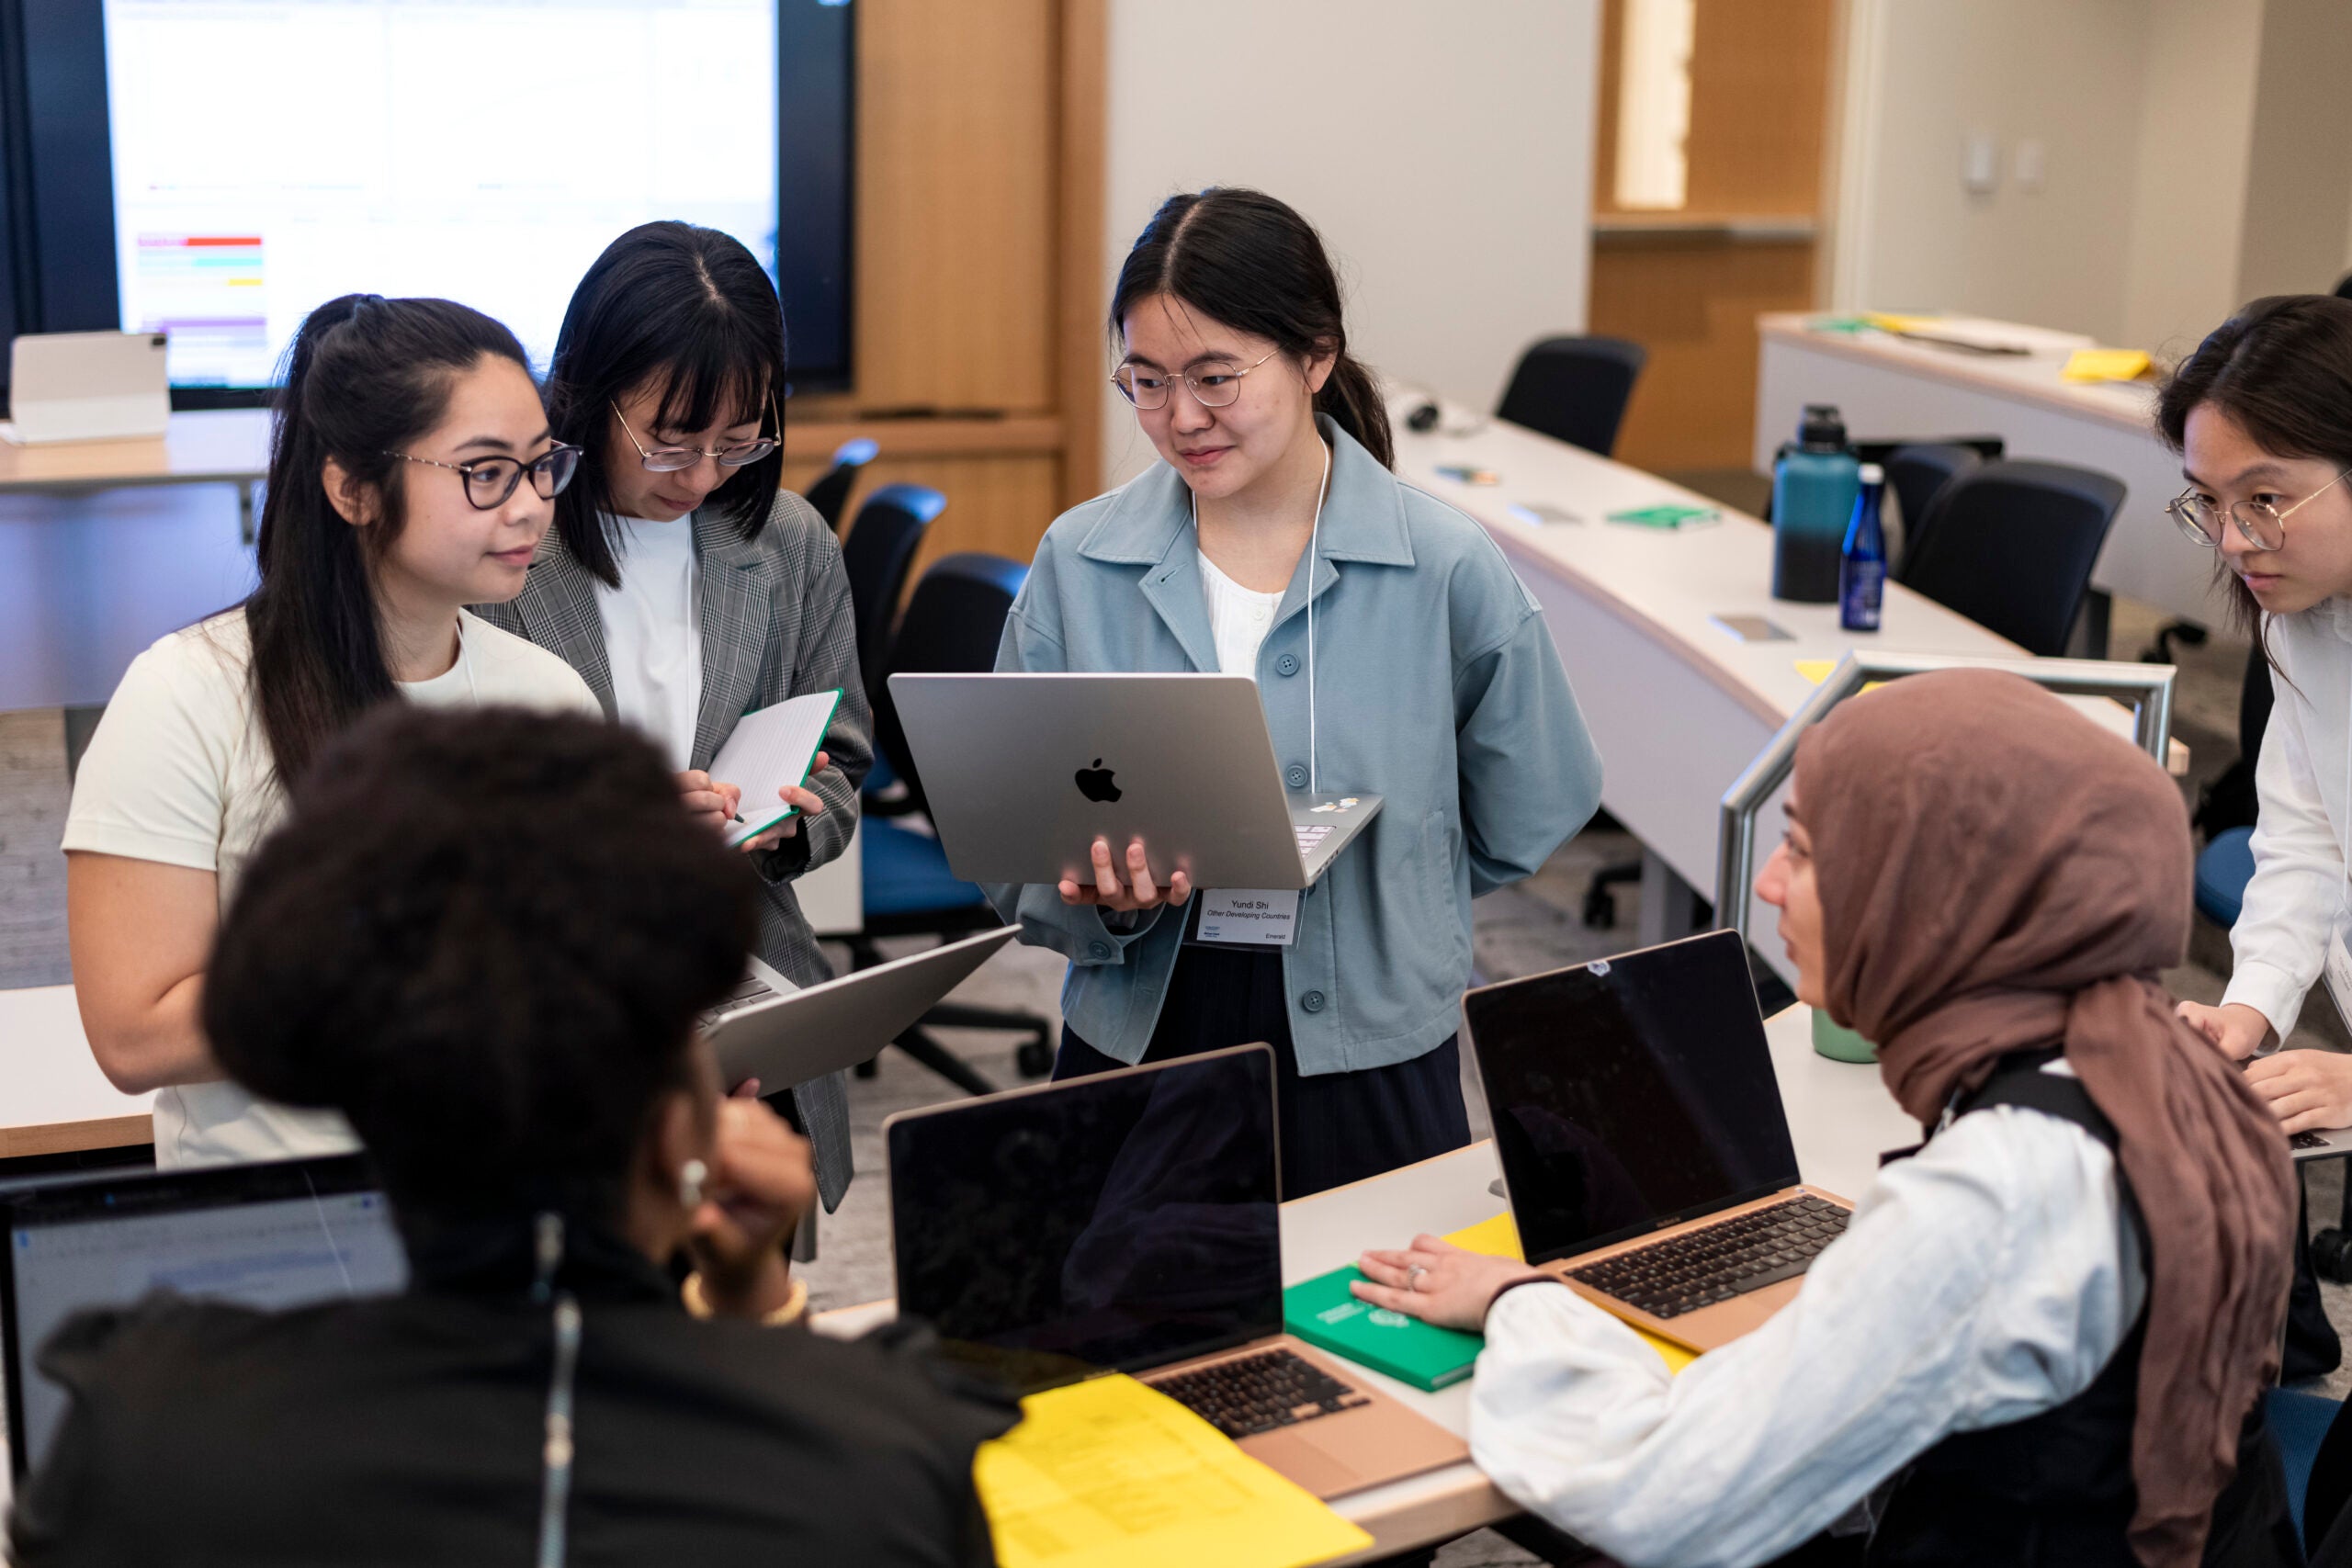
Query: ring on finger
<point x="1413" y="1276"/>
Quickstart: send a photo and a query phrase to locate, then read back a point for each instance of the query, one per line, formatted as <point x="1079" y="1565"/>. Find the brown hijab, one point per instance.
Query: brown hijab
<point x="1996" y="872"/>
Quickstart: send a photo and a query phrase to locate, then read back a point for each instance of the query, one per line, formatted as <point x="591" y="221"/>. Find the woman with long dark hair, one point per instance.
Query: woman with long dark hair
<point x="410" y="473"/>
<point x="1271" y="540"/>
<point x="684" y="582"/>
<point x="2262" y="417"/>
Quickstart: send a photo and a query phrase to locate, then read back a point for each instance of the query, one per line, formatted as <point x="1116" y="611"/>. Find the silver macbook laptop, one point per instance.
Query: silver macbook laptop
<point x="1023" y="773"/>
<point x="783" y="1035"/>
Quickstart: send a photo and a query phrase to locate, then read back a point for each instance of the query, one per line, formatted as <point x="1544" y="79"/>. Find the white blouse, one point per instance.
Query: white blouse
<point x="1986" y="1278"/>
<point x="653" y="636"/>
<point x="1239" y="619"/>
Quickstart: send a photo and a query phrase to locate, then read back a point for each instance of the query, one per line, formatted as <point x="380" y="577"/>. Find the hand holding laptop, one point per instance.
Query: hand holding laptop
<point x="1137" y="892"/>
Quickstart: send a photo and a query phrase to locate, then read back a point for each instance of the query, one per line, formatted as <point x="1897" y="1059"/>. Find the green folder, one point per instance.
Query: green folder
<point x="1325" y="1313"/>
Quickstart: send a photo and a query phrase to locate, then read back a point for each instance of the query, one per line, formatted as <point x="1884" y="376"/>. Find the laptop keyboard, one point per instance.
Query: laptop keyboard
<point x="2307" y="1140"/>
<point x="1309" y="835"/>
<point x="1250" y="1394"/>
<point x="1714" y="1263"/>
<point x="750" y="988"/>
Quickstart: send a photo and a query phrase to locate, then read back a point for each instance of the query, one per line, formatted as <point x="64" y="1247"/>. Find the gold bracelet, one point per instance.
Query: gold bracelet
<point x="698" y="1304"/>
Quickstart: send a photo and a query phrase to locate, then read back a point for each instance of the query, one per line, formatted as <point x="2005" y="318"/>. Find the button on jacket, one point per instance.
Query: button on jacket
<point x="1437" y="687"/>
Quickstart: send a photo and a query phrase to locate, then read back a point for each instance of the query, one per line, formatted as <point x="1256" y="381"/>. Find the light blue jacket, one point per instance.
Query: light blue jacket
<point x="1438" y="688"/>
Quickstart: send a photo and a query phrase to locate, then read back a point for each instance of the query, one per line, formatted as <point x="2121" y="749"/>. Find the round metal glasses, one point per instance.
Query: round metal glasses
<point x="2261" y="525"/>
<point x="673" y="460"/>
<point x="1147" y="387"/>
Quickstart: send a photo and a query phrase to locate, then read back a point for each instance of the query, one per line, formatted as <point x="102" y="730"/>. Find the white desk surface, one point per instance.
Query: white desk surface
<point x="2025" y="378"/>
<point x="1669" y="581"/>
<point x="226" y="446"/>
<point x="1897" y="387"/>
<point x="52" y="1097"/>
<point x="1841" y="1117"/>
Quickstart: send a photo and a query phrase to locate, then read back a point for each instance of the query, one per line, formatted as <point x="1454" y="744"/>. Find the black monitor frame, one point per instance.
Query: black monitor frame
<point x="57" y="185"/>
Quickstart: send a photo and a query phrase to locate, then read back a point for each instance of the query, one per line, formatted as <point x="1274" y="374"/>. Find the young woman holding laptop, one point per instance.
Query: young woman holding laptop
<point x="410" y="474"/>
<point x="1395" y="653"/>
<point x="685" y="583"/>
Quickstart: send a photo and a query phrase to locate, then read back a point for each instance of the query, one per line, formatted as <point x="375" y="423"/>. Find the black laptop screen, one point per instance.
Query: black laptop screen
<point x="1630" y="1093"/>
<point x="1111" y="1222"/>
<point x="263" y="1235"/>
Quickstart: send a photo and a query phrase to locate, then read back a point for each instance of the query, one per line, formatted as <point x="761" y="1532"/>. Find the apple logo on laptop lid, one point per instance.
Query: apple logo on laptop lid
<point x="1095" y="784"/>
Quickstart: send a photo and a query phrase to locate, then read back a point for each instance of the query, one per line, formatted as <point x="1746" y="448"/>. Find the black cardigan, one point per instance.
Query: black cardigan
<point x="408" y="1429"/>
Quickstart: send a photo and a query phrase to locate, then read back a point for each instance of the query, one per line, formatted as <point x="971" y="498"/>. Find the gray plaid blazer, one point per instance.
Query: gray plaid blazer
<point x="776" y="623"/>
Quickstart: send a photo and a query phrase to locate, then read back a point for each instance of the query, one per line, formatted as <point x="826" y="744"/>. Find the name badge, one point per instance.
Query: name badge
<point x="1251" y="918"/>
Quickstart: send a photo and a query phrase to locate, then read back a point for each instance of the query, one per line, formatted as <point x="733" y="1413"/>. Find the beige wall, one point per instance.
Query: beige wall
<point x="2196" y="153"/>
<point x="2063" y="73"/>
<point x="2190" y="193"/>
<point x="1444" y="151"/>
<point x="2299" y="183"/>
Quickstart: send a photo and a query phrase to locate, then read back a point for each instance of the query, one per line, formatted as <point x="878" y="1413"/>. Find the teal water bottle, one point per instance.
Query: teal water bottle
<point x="1862" y="568"/>
<point x="1814" y="486"/>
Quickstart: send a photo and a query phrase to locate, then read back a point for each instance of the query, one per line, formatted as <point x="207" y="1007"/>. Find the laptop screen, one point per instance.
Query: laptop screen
<point x="266" y="1236"/>
<point x="1630" y="1093"/>
<point x="1101" y="1223"/>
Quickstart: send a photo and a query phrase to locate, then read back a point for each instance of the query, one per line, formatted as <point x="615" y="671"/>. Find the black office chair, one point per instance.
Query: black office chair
<point x="1575" y="389"/>
<point x="877" y="556"/>
<point x="2010" y="546"/>
<point x="1917" y="474"/>
<point x="830" y="493"/>
<point x="951" y="626"/>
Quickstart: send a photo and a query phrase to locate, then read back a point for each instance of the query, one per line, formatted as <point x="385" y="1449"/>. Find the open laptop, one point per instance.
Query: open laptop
<point x="1644" y="1146"/>
<point x="1130" y="1222"/>
<point x="783" y="1035"/>
<point x="283" y="1234"/>
<point x="1022" y="773"/>
<point x="86" y="387"/>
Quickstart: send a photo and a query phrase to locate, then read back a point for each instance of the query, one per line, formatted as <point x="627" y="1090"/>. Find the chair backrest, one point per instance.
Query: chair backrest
<point x="2010" y="544"/>
<point x="830" y="493"/>
<point x="1918" y="475"/>
<point x="878" y="556"/>
<point x="952" y="628"/>
<point x="1575" y="389"/>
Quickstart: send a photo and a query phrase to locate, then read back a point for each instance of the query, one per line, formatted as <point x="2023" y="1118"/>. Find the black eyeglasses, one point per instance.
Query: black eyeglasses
<point x="490" y="481"/>
<point x="672" y="460"/>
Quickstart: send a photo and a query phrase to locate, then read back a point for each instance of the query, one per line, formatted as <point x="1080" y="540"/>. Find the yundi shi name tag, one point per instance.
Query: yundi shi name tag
<point x="1249" y="917"/>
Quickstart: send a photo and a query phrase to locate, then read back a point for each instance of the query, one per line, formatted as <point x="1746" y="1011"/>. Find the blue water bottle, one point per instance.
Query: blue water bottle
<point x="1862" y="565"/>
<point x="1813" y="499"/>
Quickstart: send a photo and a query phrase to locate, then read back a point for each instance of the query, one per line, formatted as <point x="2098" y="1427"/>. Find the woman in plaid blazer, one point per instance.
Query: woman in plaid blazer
<point x="685" y="585"/>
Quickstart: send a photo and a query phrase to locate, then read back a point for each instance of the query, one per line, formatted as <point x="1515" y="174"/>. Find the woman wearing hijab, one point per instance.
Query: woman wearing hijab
<point x="2048" y="1327"/>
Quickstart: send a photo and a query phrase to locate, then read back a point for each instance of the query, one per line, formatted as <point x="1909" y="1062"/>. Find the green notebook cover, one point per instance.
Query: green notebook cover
<point x="1325" y="1313"/>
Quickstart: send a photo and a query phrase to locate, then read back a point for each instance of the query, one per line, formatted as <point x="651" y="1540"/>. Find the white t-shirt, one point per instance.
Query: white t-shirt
<point x="179" y="772"/>
<point x="1239" y="619"/>
<point x="652" y="636"/>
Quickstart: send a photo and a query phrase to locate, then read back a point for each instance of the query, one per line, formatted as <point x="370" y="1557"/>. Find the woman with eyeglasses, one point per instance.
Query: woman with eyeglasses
<point x="685" y="583"/>
<point x="411" y="472"/>
<point x="2262" y="417"/>
<point x="1395" y="654"/>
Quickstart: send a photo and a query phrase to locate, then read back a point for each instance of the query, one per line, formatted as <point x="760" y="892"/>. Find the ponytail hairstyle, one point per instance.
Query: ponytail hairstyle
<point x="1243" y="258"/>
<point x="690" y="310"/>
<point x="2282" y="369"/>
<point x="365" y="377"/>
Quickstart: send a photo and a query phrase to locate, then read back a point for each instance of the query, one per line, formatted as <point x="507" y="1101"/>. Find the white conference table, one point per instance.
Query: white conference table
<point x="1840" y="1117"/>
<point x="1891" y="387"/>
<point x="213" y="447"/>
<point x="54" y="1100"/>
<point x="1678" y="705"/>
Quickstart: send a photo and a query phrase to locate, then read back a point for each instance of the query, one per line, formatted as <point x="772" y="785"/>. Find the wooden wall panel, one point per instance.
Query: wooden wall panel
<point x="957" y="102"/>
<point x="1693" y="305"/>
<point x="997" y="503"/>
<point x="1760" y="100"/>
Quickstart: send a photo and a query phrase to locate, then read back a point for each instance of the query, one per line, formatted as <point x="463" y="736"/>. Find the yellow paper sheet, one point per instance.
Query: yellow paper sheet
<point x="1887" y="321"/>
<point x="1498" y="1237"/>
<point x="1816" y="671"/>
<point x="2105" y="365"/>
<point x="1110" y="1471"/>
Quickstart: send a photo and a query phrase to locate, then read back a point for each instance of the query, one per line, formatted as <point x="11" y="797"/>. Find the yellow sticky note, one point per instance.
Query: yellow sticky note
<point x="1888" y="323"/>
<point x="1108" y="1470"/>
<point x="1498" y="1237"/>
<point x="2105" y="365"/>
<point x="1816" y="671"/>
